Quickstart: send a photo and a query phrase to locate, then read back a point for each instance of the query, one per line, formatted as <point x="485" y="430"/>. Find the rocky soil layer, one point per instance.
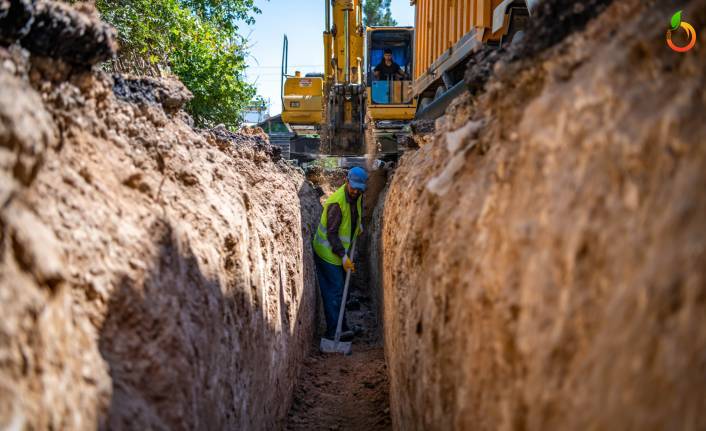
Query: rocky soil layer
<point x="544" y="254"/>
<point x="151" y="276"/>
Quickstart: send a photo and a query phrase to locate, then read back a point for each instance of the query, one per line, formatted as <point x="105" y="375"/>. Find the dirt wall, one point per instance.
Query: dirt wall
<point x="151" y="276"/>
<point x="544" y="256"/>
<point x="374" y="255"/>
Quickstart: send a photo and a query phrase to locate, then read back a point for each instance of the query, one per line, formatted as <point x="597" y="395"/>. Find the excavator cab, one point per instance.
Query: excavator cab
<point x="391" y="90"/>
<point x="390" y="105"/>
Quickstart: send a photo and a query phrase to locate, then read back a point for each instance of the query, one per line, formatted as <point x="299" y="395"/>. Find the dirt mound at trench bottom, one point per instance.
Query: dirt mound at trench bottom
<point x="544" y="257"/>
<point x="151" y="276"/>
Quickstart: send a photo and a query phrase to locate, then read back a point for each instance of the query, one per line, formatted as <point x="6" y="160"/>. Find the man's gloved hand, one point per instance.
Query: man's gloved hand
<point x="348" y="264"/>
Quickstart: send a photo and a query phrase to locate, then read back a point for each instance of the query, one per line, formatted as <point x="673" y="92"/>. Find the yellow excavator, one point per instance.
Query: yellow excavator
<point x="338" y="104"/>
<point x="352" y="110"/>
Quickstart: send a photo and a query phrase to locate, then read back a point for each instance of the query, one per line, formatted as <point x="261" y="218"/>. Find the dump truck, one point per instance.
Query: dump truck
<point x="447" y="34"/>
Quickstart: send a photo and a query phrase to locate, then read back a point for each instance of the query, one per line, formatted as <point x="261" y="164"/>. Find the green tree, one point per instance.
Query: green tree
<point x="377" y="13"/>
<point x="198" y="41"/>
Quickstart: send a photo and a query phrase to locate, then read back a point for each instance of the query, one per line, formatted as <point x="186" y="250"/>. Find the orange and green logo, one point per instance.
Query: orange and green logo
<point x="677" y="24"/>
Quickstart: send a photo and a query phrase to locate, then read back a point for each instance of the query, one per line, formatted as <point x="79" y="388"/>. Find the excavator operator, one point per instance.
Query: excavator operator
<point x="388" y="70"/>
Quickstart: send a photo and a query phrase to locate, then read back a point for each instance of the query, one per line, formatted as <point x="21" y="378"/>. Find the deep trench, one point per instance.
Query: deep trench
<point x="336" y="392"/>
<point x="560" y="285"/>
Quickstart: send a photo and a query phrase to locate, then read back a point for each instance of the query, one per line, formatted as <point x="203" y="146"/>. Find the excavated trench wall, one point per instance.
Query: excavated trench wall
<point x="544" y="256"/>
<point x="151" y="276"/>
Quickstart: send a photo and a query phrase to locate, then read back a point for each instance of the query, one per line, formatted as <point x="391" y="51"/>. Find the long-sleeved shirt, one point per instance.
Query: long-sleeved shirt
<point x="334" y="222"/>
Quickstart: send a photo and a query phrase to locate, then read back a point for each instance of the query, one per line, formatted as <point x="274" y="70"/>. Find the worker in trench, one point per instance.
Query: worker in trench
<point x="341" y="223"/>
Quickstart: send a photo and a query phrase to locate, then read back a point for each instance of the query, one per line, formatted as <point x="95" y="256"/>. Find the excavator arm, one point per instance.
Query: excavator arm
<point x="333" y="104"/>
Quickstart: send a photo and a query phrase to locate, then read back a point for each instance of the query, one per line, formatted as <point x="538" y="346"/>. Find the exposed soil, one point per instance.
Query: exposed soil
<point x="337" y="392"/>
<point x="58" y="31"/>
<point x="152" y="276"/>
<point x="326" y="180"/>
<point x="544" y="252"/>
<point x="552" y="22"/>
<point x="343" y="393"/>
<point x="538" y="263"/>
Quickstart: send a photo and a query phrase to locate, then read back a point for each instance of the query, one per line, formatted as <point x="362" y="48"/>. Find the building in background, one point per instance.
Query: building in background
<point x="279" y="133"/>
<point x="255" y="113"/>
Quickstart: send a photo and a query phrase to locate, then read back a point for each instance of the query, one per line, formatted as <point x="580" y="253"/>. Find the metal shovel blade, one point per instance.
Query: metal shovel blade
<point x="331" y="346"/>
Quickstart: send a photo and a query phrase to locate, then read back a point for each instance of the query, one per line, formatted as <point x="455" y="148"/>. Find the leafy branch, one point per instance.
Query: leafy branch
<point x="198" y="41"/>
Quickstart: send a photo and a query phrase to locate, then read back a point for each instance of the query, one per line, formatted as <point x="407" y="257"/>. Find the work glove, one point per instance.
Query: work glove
<point x="348" y="264"/>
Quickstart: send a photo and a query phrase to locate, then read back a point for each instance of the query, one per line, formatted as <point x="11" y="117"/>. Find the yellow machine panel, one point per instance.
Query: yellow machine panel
<point x="342" y="128"/>
<point x="387" y="112"/>
<point x="303" y="100"/>
<point x="339" y="95"/>
<point x="361" y="96"/>
<point x="399" y="105"/>
<point x="345" y="63"/>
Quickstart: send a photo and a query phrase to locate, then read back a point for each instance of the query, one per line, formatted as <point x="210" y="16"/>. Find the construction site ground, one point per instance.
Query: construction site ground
<point x="337" y="392"/>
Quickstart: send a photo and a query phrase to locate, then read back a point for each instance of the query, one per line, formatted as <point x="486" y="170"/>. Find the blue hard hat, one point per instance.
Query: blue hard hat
<point x="357" y="177"/>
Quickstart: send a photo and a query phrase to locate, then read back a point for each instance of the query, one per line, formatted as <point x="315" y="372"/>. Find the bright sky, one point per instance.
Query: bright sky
<point x="303" y="22"/>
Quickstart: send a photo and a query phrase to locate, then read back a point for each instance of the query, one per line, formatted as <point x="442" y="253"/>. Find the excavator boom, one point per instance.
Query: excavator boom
<point x="344" y="90"/>
<point x="334" y="103"/>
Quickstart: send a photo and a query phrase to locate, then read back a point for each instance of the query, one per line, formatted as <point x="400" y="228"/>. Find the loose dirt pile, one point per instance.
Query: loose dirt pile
<point x="544" y="258"/>
<point x="151" y="276"/>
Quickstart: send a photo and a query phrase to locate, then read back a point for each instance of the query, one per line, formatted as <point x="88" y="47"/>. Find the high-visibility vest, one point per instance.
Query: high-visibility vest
<point x="321" y="245"/>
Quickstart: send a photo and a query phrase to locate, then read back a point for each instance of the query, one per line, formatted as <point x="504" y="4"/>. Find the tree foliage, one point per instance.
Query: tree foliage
<point x="198" y="41"/>
<point x="377" y="13"/>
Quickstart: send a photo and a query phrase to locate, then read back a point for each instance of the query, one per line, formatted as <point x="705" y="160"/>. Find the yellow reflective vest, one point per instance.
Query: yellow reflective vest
<point x="321" y="245"/>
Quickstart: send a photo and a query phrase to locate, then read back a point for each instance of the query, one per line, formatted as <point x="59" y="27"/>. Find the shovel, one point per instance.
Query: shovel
<point x="336" y="345"/>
